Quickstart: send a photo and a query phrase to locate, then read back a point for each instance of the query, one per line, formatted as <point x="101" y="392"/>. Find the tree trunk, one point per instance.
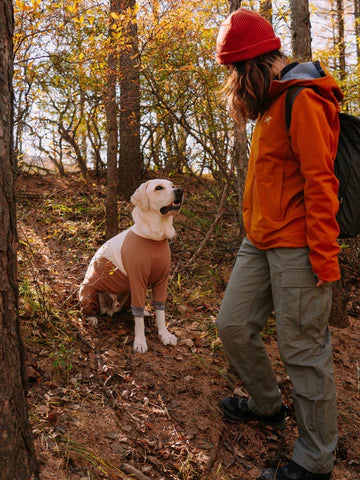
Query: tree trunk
<point x="17" y="455"/>
<point x="70" y="138"/>
<point x="300" y="30"/>
<point x="240" y="156"/>
<point x="94" y="137"/>
<point x="112" y="134"/>
<point x="338" y="315"/>
<point x="357" y="28"/>
<point x="341" y="38"/>
<point x="240" y="161"/>
<point x="130" y="153"/>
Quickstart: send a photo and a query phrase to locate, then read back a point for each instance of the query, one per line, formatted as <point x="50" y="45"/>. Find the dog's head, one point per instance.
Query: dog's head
<point x="158" y="195"/>
<point x="110" y="303"/>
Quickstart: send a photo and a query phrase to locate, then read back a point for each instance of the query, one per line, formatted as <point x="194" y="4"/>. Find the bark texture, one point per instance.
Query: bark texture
<point x="300" y="30"/>
<point x="17" y="455"/>
<point x="357" y="28"/>
<point x="341" y="38"/>
<point x="130" y="152"/>
<point x="112" y="134"/>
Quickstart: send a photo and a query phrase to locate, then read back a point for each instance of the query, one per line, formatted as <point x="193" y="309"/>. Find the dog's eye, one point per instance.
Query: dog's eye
<point x="159" y="187"/>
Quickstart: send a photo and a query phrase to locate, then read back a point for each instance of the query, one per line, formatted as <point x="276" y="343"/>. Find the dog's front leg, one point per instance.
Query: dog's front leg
<point x="166" y="337"/>
<point x="140" y="344"/>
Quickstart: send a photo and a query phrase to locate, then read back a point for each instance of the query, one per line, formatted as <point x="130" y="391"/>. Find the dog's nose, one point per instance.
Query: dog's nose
<point x="178" y="192"/>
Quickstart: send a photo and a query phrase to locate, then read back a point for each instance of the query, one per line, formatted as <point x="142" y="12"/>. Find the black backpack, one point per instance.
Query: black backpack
<point x="346" y="167"/>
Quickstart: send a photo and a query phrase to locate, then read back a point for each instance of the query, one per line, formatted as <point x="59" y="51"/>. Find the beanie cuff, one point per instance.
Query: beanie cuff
<point x="249" y="52"/>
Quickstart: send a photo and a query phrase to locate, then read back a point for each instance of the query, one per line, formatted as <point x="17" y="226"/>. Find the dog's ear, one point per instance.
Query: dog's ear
<point x="140" y="198"/>
<point x="106" y="301"/>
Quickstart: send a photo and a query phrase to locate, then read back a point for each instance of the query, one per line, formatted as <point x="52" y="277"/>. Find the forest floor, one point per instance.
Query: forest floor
<point x="100" y="411"/>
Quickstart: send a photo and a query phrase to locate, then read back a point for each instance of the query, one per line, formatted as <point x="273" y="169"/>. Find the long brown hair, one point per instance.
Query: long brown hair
<point x="246" y="90"/>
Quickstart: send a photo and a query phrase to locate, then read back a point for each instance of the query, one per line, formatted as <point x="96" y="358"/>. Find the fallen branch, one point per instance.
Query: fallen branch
<point x="212" y="228"/>
<point x="214" y="452"/>
<point x="135" y="472"/>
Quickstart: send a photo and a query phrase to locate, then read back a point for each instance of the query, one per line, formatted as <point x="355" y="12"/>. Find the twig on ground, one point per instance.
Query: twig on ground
<point x="214" y="453"/>
<point x="164" y="407"/>
<point x="212" y="228"/>
<point x="134" y="471"/>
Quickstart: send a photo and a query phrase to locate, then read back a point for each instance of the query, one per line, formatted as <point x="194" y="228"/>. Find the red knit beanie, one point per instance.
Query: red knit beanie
<point x="244" y="35"/>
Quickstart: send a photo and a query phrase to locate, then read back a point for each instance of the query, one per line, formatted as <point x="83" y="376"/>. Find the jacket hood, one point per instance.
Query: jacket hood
<point x="309" y="74"/>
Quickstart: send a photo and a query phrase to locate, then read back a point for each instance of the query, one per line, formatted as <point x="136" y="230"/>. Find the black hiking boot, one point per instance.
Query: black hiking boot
<point x="292" y="471"/>
<point x="236" y="409"/>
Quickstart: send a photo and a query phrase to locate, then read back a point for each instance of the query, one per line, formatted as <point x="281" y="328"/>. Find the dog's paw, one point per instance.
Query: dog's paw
<point x="94" y="321"/>
<point x="168" y="338"/>
<point x="140" y="345"/>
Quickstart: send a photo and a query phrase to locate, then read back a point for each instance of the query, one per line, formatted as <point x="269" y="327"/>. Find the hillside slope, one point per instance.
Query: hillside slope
<point x="100" y="411"/>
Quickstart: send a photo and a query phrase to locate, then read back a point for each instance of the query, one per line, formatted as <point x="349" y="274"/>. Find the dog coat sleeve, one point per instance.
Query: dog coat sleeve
<point x="102" y="275"/>
<point x="147" y="263"/>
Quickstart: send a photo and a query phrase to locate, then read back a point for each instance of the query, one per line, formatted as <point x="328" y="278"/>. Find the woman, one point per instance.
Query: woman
<point x="290" y="253"/>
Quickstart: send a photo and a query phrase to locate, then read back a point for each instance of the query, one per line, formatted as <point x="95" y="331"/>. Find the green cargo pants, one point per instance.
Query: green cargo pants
<point x="282" y="279"/>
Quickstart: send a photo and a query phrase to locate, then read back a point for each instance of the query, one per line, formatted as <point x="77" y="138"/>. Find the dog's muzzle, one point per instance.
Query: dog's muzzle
<point x="176" y="204"/>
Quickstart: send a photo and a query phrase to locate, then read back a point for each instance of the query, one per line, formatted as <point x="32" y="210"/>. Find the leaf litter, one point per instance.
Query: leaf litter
<point x="100" y="411"/>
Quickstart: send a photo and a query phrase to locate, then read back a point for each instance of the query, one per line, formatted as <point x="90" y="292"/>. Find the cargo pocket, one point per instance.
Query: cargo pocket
<point x="304" y="307"/>
<point x="302" y="329"/>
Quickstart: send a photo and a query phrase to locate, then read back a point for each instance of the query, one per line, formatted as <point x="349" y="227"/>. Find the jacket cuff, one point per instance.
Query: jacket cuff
<point x="330" y="275"/>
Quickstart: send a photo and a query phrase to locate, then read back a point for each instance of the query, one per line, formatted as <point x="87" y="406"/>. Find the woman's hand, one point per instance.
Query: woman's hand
<point x="320" y="282"/>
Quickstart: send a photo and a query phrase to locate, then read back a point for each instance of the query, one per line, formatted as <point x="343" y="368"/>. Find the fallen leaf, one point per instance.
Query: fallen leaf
<point x="43" y="410"/>
<point x="254" y="472"/>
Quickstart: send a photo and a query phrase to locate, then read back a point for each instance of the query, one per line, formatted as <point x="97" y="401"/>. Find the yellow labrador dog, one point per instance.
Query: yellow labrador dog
<point x="128" y="264"/>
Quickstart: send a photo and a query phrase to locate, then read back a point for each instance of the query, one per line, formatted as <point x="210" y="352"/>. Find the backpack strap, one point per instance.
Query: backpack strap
<point x="291" y="94"/>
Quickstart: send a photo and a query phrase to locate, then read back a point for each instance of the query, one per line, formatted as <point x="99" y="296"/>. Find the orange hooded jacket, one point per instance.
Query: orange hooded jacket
<point x="290" y="197"/>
